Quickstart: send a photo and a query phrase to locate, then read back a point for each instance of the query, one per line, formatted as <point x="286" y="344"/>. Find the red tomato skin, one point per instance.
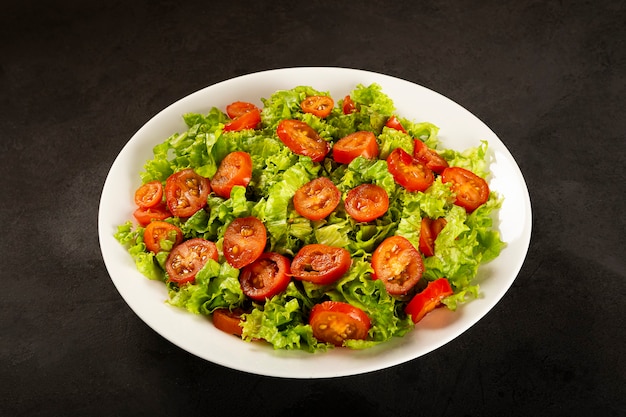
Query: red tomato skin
<point x="320" y="106"/>
<point x="427" y="300"/>
<point x="228" y="321"/>
<point x="320" y="264"/>
<point x="316" y="199"/>
<point x="429" y="231"/>
<point x="190" y="256"/>
<point x="398" y="264"/>
<point x="335" y="322"/>
<point x="145" y="215"/>
<point x="394" y="123"/>
<point x="149" y="194"/>
<point x="362" y="143"/>
<point x="235" y="169"/>
<point x="244" y="241"/>
<point x="348" y="106"/>
<point x="366" y="202"/>
<point x="186" y="192"/>
<point x="248" y="120"/>
<point x="471" y="190"/>
<point x="409" y="172"/>
<point x="429" y="157"/>
<point x="239" y="108"/>
<point x="157" y="230"/>
<point x="266" y="277"/>
<point x="302" y="139"/>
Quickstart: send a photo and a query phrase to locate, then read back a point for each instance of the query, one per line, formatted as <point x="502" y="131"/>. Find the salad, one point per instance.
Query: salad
<point x="310" y="223"/>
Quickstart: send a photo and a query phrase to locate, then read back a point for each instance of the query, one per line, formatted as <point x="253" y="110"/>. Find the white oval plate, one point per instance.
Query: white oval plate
<point x="459" y="129"/>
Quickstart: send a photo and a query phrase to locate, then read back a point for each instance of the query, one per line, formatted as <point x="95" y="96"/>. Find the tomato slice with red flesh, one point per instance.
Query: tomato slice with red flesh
<point x="189" y="257"/>
<point x="366" y="202"/>
<point x="239" y="108"/>
<point x="429" y="230"/>
<point x="228" y="321"/>
<point x="429" y="157"/>
<point x="316" y="199"/>
<point x="427" y="300"/>
<point x="248" y="120"/>
<point x="267" y="276"/>
<point x="145" y="215"/>
<point x="186" y="192"/>
<point x="244" y="241"/>
<point x="320" y="264"/>
<point x="235" y="169"/>
<point x="394" y="123"/>
<point x="157" y="232"/>
<point x="407" y="171"/>
<point x="149" y="194"/>
<point x="335" y="322"/>
<point x="320" y="106"/>
<point x="471" y="190"/>
<point x="302" y="139"/>
<point x="348" y="106"/>
<point x="397" y="264"/>
<point x="362" y="143"/>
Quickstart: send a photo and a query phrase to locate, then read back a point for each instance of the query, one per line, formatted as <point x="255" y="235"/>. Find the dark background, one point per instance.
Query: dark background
<point x="77" y="79"/>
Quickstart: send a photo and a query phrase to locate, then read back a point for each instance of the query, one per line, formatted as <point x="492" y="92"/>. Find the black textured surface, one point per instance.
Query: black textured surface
<point x="78" y="79"/>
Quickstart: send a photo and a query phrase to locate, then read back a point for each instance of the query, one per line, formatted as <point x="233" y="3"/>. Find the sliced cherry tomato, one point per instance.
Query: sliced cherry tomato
<point x="228" y="321"/>
<point x="394" y="123"/>
<point x="348" y="105"/>
<point x="320" y="264"/>
<point x="367" y="202"/>
<point x="158" y="231"/>
<point x="398" y="264"/>
<point x="248" y="120"/>
<point x="429" y="157"/>
<point x="408" y="171"/>
<point x="244" y="241"/>
<point x="362" y="143"/>
<point x="145" y="215"/>
<point x="428" y="234"/>
<point x="186" y="192"/>
<point x="320" y="106"/>
<point x="302" y="139"/>
<point x="471" y="190"/>
<point x="239" y="108"/>
<point x="267" y="276"/>
<point x="235" y="169"/>
<point x="189" y="257"/>
<point x="427" y="300"/>
<point x="335" y="322"/>
<point x="316" y="199"/>
<point x="149" y="194"/>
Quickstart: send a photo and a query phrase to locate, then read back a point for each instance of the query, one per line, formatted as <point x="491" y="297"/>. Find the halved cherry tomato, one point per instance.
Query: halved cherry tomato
<point x="248" y="120"/>
<point x="239" y="108"/>
<point x="335" y="322"/>
<point x="398" y="264"/>
<point x="157" y="231"/>
<point x="471" y="190"/>
<point x="316" y="199"/>
<point x="235" y="169"/>
<point x="145" y="215"/>
<point x="302" y="139"/>
<point x="362" y="143"/>
<point x="348" y="105"/>
<point x="149" y="194"/>
<point x="427" y="300"/>
<point x="189" y="257"/>
<point x="320" y="106"/>
<point x="228" y="321"/>
<point x="186" y="192"/>
<point x="429" y="157"/>
<point x="320" y="264"/>
<point x="244" y="241"/>
<point x="394" y="123"/>
<point x="428" y="234"/>
<point x="267" y="276"/>
<point x="408" y="171"/>
<point x="367" y="202"/>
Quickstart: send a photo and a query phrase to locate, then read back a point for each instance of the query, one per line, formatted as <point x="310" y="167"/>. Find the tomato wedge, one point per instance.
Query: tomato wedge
<point x="235" y="169"/>
<point x="335" y="322"/>
<point x="302" y="139"/>
<point x="149" y="194"/>
<point x="228" y="321"/>
<point x="239" y="108"/>
<point x="244" y="241"/>
<point x="471" y="190"/>
<point x="394" y="123"/>
<point x="316" y="199"/>
<point x="320" y="264"/>
<point x="367" y="202"/>
<point x="248" y="120"/>
<point x="187" y="258"/>
<point x="320" y="106"/>
<point x="160" y="235"/>
<point x="427" y="300"/>
<point x="362" y="143"/>
<point x="186" y="192"/>
<point x="398" y="264"/>
<point x="145" y="215"/>
<point x="348" y="105"/>
<point x="429" y="230"/>
<point x="267" y="276"/>
<point x="407" y="171"/>
<point x="429" y="157"/>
